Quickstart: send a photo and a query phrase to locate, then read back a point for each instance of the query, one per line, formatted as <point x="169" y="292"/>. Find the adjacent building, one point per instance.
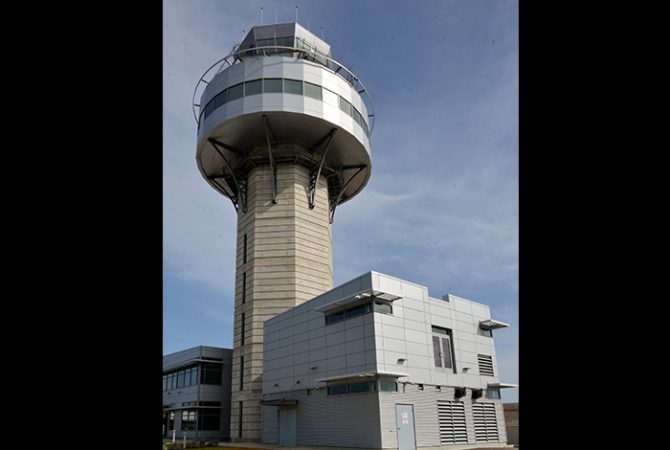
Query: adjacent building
<point x="196" y="393"/>
<point x="378" y="363"/>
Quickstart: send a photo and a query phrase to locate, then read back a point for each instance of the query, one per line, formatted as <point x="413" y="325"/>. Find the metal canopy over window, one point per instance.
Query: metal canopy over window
<point x="360" y="297"/>
<point x="490" y="324"/>
<point x="502" y="385"/>
<point x="354" y="376"/>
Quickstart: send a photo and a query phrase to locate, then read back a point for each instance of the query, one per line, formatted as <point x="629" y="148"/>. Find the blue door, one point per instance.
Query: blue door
<point x="404" y="419"/>
<point x="288" y="427"/>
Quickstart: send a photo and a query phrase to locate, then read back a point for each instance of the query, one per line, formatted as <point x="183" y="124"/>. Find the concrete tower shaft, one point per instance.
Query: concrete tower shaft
<point x="284" y="133"/>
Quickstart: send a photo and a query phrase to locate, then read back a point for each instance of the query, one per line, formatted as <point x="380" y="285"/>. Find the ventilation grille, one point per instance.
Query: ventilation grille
<point x="452" y="422"/>
<point x="486" y="425"/>
<point x="485" y="365"/>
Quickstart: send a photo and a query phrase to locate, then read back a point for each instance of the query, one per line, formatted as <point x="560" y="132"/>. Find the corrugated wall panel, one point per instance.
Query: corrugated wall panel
<point x="426" y="416"/>
<point x="349" y="420"/>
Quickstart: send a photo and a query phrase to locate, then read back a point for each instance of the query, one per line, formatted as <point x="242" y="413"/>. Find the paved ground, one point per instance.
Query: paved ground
<point x="248" y="446"/>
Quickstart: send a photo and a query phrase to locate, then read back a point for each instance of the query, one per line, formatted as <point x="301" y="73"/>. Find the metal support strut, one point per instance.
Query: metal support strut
<point x="240" y="199"/>
<point x="334" y="203"/>
<point x="314" y="176"/>
<point x="273" y="167"/>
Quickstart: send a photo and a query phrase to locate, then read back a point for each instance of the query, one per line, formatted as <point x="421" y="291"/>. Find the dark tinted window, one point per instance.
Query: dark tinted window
<point x="293" y="87"/>
<point x="253" y="87"/>
<point x="313" y="90"/>
<point x="235" y="92"/>
<point x="272" y="85"/>
<point x="337" y="389"/>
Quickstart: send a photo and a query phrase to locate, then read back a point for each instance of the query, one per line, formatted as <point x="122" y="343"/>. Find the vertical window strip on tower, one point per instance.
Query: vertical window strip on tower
<point x="242" y="331"/>
<point x="244" y="253"/>
<point x="242" y="373"/>
<point x="244" y="287"/>
<point x="239" y="422"/>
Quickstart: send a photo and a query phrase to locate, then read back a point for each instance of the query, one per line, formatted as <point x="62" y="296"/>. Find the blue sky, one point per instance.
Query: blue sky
<point x="441" y="207"/>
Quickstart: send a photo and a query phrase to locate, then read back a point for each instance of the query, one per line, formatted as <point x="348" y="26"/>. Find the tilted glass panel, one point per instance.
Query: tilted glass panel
<point x="293" y="87"/>
<point x="345" y="106"/>
<point x="272" y="85"/>
<point x="221" y="98"/>
<point x="313" y="90"/>
<point x="253" y="87"/>
<point x="235" y="92"/>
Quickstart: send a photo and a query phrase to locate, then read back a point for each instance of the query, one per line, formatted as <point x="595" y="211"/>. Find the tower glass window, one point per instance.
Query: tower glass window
<point x="253" y="87"/>
<point x="293" y="87"/>
<point x="313" y="90"/>
<point x="272" y="85"/>
<point x="235" y="92"/>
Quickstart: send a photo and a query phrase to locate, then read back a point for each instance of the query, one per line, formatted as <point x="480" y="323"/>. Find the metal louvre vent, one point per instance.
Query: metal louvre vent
<point x="452" y="422"/>
<point x="485" y="365"/>
<point x="486" y="425"/>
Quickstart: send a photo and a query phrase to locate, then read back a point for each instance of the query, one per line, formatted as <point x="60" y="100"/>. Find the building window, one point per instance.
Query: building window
<point x="484" y="332"/>
<point x="334" y="317"/>
<point x="493" y="393"/>
<point x="242" y="332"/>
<point x="337" y="389"/>
<point x="359" y="310"/>
<point x="271" y="85"/>
<point x="244" y="253"/>
<point x="388" y="385"/>
<point x="235" y="92"/>
<point x="188" y="419"/>
<point x="313" y="90"/>
<point x="242" y="373"/>
<point x="194" y="375"/>
<point x="381" y="307"/>
<point x="253" y="87"/>
<point x="244" y="287"/>
<point x="293" y="86"/>
<point x="279" y="85"/>
<point x="210" y="373"/>
<point x="365" y="386"/>
<point x="209" y="419"/>
<point x="485" y="365"/>
<point x="442" y="348"/>
<point x="352" y="388"/>
<point x="356" y="311"/>
<point x="345" y="106"/>
<point x="239" y="422"/>
<point x="221" y="98"/>
<point x="180" y="378"/>
<point x="171" y="421"/>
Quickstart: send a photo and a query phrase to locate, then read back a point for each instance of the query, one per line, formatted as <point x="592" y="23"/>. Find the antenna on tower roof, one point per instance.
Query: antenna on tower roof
<point x="276" y="17"/>
<point x="296" y="13"/>
<point x="308" y="24"/>
<point x="321" y="32"/>
<point x="261" y="15"/>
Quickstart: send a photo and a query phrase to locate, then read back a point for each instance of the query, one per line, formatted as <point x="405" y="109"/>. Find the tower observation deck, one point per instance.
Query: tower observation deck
<point x="284" y="133"/>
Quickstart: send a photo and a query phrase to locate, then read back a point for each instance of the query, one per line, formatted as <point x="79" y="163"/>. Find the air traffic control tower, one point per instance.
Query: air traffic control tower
<point x="284" y="133"/>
